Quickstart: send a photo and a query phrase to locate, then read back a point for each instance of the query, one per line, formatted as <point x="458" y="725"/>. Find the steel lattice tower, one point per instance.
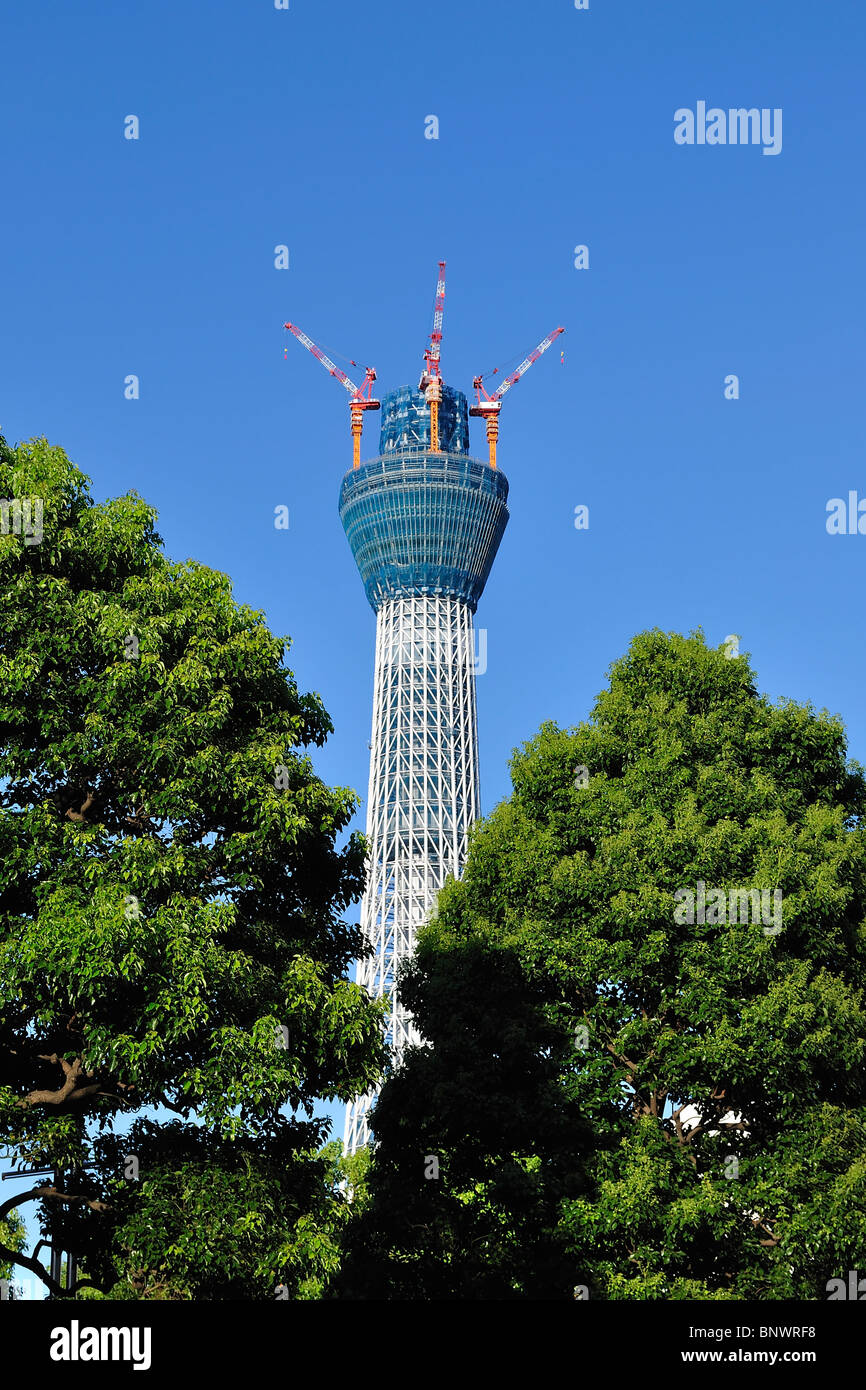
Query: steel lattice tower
<point x="424" y="528"/>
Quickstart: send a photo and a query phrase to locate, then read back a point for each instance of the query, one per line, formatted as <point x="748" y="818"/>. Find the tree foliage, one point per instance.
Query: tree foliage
<point x="172" y="884"/>
<point x="621" y="1100"/>
<point x="14" y="1239"/>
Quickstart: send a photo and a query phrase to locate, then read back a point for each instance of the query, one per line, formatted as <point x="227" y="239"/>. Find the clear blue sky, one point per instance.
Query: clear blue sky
<point x="306" y="127"/>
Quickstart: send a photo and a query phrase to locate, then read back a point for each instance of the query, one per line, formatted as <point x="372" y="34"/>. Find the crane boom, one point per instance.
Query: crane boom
<point x="360" y="397"/>
<point x="490" y="406"/>
<point x="526" y="364"/>
<point x="326" y="361"/>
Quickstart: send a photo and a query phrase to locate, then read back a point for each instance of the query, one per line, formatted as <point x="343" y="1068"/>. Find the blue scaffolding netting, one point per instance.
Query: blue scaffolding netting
<point x="406" y="421"/>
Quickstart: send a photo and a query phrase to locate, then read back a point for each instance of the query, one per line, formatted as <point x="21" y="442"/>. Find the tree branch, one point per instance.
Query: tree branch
<point x="70" y="1090"/>
<point x="49" y="1190"/>
<point x="30" y="1262"/>
<point x="178" y="1110"/>
<point x="81" y="813"/>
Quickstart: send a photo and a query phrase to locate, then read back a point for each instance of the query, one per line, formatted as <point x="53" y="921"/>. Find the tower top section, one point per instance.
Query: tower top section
<point x="406" y="421"/>
<point x="413" y="419"/>
<point x="424" y="523"/>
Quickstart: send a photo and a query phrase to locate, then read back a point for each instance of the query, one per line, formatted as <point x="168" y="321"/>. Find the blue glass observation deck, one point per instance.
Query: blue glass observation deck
<point x="422" y="523"/>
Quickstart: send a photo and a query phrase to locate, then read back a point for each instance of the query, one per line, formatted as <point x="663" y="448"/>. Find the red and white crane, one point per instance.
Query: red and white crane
<point x="489" y="407"/>
<point x="360" y="397"/>
<point x="431" y="377"/>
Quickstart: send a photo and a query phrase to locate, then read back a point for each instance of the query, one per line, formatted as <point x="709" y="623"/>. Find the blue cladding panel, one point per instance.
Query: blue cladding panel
<point x="422" y="523"/>
<point x="406" y="421"/>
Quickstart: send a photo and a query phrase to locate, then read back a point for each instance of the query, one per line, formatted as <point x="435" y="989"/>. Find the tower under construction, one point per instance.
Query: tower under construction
<point x="424" y="520"/>
<point x="424" y="529"/>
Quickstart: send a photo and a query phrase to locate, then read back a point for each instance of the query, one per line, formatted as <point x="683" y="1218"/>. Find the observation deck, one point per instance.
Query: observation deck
<point x="418" y="522"/>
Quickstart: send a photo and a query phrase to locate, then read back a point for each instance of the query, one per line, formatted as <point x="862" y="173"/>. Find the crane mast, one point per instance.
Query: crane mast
<point x="486" y="405"/>
<point x="489" y="407"/>
<point x="431" y="377"/>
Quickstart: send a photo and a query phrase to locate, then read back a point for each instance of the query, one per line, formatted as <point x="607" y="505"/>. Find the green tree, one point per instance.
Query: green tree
<point x="717" y="1063"/>
<point x="476" y="1144"/>
<point x="13" y="1237"/>
<point x="172" y="887"/>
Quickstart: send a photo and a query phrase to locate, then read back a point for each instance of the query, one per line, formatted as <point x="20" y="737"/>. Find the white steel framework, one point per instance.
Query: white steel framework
<point x="423" y="791"/>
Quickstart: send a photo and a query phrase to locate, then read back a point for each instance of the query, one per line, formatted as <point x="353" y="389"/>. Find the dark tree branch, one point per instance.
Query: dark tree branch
<point x="70" y="1090"/>
<point x="30" y="1262"/>
<point x="81" y="813"/>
